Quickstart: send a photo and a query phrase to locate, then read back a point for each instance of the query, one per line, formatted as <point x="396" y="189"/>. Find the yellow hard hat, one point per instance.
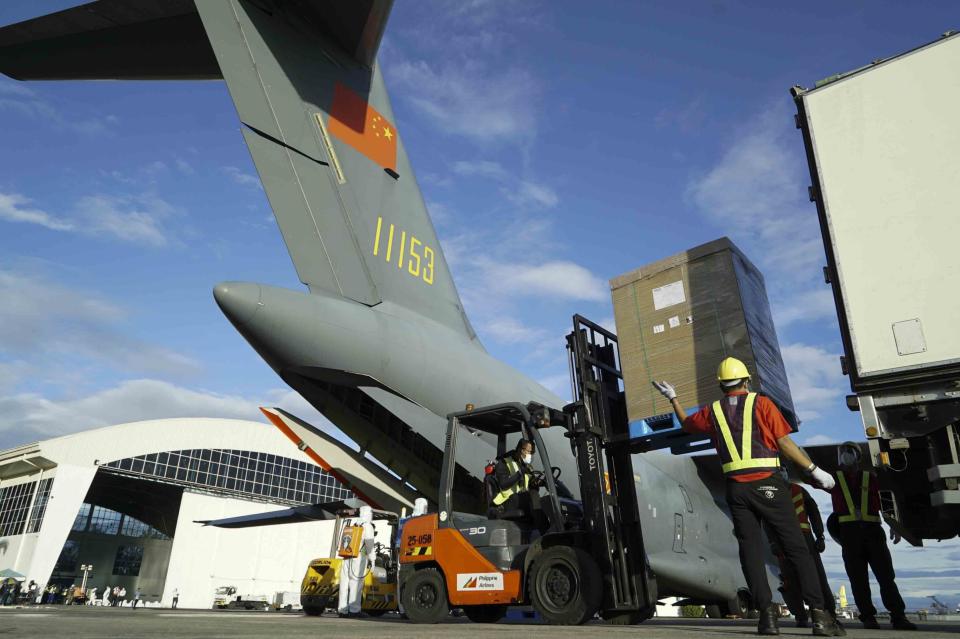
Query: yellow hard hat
<point x="732" y="369"/>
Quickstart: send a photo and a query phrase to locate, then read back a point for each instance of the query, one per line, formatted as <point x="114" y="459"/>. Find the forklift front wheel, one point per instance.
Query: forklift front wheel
<point x="424" y="597"/>
<point x="565" y="586"/>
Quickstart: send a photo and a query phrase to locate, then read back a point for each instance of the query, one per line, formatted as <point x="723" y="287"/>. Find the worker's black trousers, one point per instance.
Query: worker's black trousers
<point x="791" y="583"/>
<point x="865" y="544"/>
<point x="768" y="501"/>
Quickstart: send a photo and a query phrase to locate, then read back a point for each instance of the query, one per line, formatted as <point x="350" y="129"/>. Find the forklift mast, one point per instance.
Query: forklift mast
<point x="599" y="431"/>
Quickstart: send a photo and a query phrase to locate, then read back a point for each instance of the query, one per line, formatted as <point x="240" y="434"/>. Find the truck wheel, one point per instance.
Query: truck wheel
<point x="714" y="611"/>
<point x="565" y="586"/>
<point x="491" y="613"/>
<point x="424" y="597"/>
<point x="311" y="611"/>
<point x="375" y="613"/>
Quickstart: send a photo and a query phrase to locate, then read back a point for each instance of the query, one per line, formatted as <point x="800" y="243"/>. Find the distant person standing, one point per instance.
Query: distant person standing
<point x="105" y="600"/>
<point x="136" y="597"/>
<point x="856" y="504"/>
<point x="811" y="524"/>
<point x="92" y="597"/>
<point x="122" y="595"/>
<point x="176" y="598"/>
<point x="750" y="434"/>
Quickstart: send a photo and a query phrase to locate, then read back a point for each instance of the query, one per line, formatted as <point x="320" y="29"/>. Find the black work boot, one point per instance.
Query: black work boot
<point x="840" y="631"/>
<point x="768" y="622"/>
<point x="869" y="623"/>
<point x="823" y="623"/>
<point x="900" y="622"/>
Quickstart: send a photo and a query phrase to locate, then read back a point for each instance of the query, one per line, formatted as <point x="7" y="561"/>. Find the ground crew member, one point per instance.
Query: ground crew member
<point x="515" y="478"/>
<point x="856" y="502"/>
<point x="353" y="570"/>
<point x="811" y="524"/>
<point x="749" y="432"/>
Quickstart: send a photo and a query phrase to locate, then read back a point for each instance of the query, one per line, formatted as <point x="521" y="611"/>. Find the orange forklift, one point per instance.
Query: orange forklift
<point x="568" y="559"/>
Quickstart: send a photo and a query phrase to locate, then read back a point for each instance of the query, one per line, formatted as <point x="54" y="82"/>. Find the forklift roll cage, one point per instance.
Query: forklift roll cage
<point x="500" y="420"/>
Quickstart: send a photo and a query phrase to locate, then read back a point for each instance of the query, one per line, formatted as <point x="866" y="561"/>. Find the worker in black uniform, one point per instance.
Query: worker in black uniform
<point x="856" y="502"/>
<point x="515" y="477"/>
<point x="811" y="524"/>
<point x="755" y="491"/>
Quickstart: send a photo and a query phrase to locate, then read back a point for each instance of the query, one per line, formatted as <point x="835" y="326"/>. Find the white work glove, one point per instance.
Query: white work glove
<point x="821" y="478"/>
<point x="666" y="389"/>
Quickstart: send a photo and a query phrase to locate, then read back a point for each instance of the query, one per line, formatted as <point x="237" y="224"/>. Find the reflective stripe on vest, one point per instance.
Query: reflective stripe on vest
<point x="799" y="508"/>
<point x="742" y="460"/>
<point x="504" y="495"/>
<point x="854" y="514"/>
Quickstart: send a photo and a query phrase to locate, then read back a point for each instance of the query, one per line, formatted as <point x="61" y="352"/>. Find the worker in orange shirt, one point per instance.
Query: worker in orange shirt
<point x="750" y="433"/>
<point x="856" y="502"/>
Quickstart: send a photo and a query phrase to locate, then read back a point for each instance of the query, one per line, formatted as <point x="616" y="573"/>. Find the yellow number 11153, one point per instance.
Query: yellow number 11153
<point x="411" y="252"/>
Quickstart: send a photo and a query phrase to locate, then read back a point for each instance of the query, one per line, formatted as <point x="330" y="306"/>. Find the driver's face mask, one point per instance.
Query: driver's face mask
<point x="528" y="458"/>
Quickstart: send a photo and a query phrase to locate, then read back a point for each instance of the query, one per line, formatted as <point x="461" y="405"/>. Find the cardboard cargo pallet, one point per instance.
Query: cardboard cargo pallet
<point x="678" y="317"/>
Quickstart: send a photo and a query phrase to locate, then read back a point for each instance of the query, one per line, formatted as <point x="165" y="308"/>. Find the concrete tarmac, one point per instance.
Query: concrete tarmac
<point x="103" y="623"/>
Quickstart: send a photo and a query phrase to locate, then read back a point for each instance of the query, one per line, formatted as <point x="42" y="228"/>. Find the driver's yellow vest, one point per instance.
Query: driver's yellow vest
<point x="504" y="495"/>
<point x="853" y="514"/>
<point x="739" y="461"/>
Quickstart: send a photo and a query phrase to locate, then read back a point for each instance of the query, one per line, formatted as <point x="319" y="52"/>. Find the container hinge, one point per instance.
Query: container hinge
<point x="843" y="365"/>
<point x="812" y="194"/>
<point x="826" y="275"/>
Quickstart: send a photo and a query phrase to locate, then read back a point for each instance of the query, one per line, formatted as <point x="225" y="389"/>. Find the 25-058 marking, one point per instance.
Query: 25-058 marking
<point x="419" y="264"/>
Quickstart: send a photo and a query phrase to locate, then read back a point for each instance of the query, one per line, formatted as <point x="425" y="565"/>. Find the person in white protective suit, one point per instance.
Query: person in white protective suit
<point x="354" y="570"/>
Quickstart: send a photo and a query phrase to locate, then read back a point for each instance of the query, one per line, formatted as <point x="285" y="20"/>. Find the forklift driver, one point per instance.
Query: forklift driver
<point x="515" y="479"/>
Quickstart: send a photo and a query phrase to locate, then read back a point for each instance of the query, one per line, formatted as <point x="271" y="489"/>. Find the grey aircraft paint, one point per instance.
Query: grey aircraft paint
<point x="380" y="344"/>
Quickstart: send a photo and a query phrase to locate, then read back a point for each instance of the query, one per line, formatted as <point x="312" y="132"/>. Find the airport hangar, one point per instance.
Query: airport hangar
<point x="126" y="499"/>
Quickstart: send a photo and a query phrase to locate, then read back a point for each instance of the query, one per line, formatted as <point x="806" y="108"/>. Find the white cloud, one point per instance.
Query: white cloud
<point x="44" y="323"/>
<point x="531" y="194"/>
<point x="805" y="306"/>
<point x="138" y="220"/>
<point x="509" y="330"/>
<point x="816" y="381"/>
<point x="469" y="100"/>
<point x="556" y="279"/>
<point x="28" y="417"/>
<point x="135" y="219"/>
<point x="819" y="440"/>
<point x="241" y="177"/>
<point x="14" y="208"/>
<point x="184" y="167"/>
<point x="483" y="168"/>
<point x="18" y="98"/>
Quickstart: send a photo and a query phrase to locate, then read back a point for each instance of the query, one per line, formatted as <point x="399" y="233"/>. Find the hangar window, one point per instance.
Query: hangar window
<point x="105" y="521"/>
<point x="40" y="505"/>
<point x="14" y="507"/>
<point x="67" y="561"/>
<point x="251" y="474"/>
<point x="128" y="560"/>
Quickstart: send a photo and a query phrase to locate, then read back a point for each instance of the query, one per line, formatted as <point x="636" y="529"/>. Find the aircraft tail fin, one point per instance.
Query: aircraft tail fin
<point x="316" y="115"/>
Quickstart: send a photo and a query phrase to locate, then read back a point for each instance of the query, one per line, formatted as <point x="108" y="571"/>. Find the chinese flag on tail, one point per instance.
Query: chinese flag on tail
<point x="354" y="122"/>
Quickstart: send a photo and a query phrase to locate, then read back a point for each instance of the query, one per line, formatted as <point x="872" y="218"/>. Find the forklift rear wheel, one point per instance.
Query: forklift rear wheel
<point x="424" y="597"/>
<point x="491" y="613"/>
<point x="625" y="618"/>
<point x="375" y="613"/>
<point x="311" y="611"/>
<point x="565" y="586"/>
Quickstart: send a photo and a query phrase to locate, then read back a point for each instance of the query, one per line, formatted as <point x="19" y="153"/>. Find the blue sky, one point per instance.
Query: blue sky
<point x="568" y="141"/>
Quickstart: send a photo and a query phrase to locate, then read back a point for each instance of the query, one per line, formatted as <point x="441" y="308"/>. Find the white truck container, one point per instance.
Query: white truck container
<point x="883" y="145"/>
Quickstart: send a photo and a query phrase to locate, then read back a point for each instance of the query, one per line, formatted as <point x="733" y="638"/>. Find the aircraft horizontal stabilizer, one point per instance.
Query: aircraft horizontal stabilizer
<point x="299" y="514"/>
<point x="367" y="480"/>
<point x="165" y="39"/>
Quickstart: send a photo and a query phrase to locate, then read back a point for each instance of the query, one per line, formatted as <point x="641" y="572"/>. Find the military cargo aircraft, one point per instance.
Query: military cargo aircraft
<point x="380" y="343"/>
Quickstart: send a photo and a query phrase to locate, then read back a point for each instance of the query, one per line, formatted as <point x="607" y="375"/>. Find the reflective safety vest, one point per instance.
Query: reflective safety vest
<point x="798" y="506"/>
<point x="739" y="462"/>
<point x="517" y="488"/>
<point x="857" y="514"/>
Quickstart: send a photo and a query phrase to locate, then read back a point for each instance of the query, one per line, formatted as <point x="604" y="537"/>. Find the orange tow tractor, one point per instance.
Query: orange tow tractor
<point x="567" y="558"/>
